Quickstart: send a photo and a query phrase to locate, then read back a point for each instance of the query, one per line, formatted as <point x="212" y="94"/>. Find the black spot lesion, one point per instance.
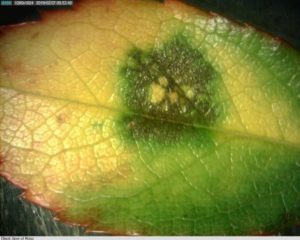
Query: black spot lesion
<point x="169" y="87"/>
<point x="155" y="129"/>
<point x="34" y="35"/>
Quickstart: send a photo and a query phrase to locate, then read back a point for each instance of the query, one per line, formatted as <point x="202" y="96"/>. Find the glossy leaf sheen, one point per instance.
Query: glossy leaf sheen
<point x="140" y="117"/>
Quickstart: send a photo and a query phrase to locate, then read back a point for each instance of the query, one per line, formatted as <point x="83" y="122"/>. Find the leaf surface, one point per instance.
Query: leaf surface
<point x="151" y="118"/>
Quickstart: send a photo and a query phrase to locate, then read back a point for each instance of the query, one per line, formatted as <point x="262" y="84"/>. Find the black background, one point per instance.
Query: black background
<point x="280" y="18"/>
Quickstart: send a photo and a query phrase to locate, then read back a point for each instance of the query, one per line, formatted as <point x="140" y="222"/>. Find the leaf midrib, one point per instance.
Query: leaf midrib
<point x="226" y="132"/>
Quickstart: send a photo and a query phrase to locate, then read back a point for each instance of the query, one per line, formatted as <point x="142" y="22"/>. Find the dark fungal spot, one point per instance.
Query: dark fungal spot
<point x="61" y="118"/>
<point x="144" y="128"/>
<point x="169" y="89"/>
<point x="35" y="35"/>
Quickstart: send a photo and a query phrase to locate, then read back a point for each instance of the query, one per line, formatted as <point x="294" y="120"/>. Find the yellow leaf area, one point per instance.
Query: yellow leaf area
<point x="59" y="80"/>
